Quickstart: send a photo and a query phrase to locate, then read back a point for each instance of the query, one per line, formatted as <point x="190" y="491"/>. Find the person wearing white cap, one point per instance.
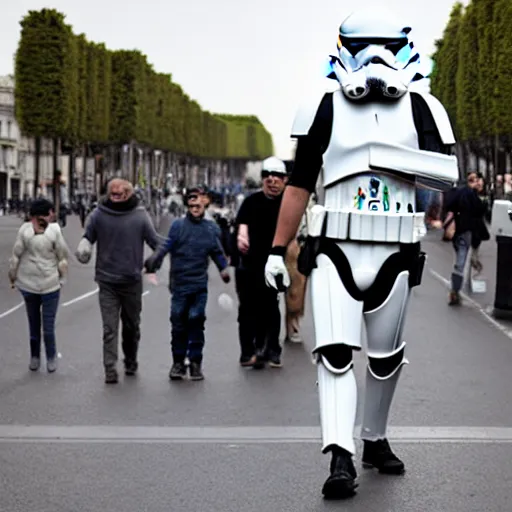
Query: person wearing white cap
<point x="259" y="319"/>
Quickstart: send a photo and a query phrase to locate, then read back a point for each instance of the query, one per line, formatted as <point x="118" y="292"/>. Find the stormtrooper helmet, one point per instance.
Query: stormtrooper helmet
<point x="375" y="56"/>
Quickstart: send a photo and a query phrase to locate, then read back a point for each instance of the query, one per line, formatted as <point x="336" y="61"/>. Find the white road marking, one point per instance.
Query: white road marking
<point x="237" y="435"/>
<point x="501" y="327"/>
<point x="12" y="310"/>
<point x="81" y="297"/>
<point x="64" y="305"/>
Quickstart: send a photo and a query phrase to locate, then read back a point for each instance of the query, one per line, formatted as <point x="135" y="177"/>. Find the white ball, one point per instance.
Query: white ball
<point x="225" y="302"/>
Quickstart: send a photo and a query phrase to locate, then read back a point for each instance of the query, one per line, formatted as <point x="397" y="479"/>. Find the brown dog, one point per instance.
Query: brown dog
<point x="295" y="295"/>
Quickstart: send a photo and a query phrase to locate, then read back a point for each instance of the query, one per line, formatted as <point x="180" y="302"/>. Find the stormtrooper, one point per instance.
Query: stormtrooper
<point x="373" y="137"/>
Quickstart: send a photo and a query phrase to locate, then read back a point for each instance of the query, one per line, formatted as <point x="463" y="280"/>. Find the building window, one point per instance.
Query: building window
<point x="0" y="129"/>
<point x="9" y="129"/>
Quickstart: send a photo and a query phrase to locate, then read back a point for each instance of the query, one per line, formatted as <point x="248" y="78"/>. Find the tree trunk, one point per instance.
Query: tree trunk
<point x="56" y="176"/>
<point x="84" y="170"/>
<point x="71" y="185"/>
<point x="497" y="166"/>
<point x="151" y="173"/>
<point x="37" y="169"/>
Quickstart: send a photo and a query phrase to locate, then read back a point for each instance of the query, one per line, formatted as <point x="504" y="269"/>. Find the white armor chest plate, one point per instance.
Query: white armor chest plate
<point x="355" y="126"/>
<point x="361" y="204"/>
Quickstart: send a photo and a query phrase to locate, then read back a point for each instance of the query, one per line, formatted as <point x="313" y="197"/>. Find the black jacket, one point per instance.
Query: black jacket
<point x="468" y="210"/>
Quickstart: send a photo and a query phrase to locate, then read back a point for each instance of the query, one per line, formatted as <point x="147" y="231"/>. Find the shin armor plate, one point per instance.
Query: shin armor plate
<point x="337" y="391"/>
<point x="384" y="326"/>
<point x="338" y="323"/>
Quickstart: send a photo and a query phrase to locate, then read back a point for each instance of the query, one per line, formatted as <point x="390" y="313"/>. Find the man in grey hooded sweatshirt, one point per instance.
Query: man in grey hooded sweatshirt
<point x="119" y="226"/>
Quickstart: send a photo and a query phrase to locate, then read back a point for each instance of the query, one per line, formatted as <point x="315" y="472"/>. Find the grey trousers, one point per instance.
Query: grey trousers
<point x="462" y="245"/>
<point x="120" y="301"/>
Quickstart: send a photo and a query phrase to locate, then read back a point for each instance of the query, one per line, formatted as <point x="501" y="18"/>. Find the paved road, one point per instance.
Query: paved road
<point x="244" y="440"/>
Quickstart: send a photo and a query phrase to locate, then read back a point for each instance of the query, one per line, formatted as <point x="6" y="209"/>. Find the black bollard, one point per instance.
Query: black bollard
<point x="502" y="228"/>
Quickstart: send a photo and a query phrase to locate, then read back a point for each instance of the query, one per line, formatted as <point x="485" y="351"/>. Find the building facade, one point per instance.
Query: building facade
<point x="17" y="153"/>
<point x="10" y="179"/>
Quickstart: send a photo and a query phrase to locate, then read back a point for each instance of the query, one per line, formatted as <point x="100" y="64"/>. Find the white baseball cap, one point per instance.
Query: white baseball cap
<point x="273" y="164"/>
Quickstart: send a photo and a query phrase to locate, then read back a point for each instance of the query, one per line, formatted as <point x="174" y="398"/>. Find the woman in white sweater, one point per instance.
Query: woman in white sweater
<point x="38" y="264"/>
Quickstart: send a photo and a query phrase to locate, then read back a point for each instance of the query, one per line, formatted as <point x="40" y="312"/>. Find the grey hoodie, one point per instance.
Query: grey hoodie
<point x="120" y="230"/>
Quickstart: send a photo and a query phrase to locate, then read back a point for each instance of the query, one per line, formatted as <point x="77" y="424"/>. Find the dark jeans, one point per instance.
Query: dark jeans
<point x="259" y="318"/>
<point x="125" y="301"/>
<point x="188" y="315"/>
<point x="47" y="304"/>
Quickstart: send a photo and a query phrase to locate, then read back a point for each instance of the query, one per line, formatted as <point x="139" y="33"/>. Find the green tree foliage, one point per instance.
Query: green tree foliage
<point x="480" y="57"/>
<point x="446" y="64"/>
<point x="468" y="99"/>
<point x="69" y="87"/>
<point x="46" y="84"/>
<point x="124" y="109"/>
<point x="102" y="109"/>
<point x="502" y="98"/>
<point x="487" y="63"/>
<point x="81" y="104"/>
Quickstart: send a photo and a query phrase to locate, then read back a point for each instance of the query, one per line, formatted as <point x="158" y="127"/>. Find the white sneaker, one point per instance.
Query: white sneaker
<point x="35" y="362"/>
<point x="51" y="365"/>
<point x="295" y="338"/>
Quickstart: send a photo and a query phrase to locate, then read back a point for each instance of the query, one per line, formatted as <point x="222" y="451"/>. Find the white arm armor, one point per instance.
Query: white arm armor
<point x="433" y="169"/>
<point x="308" y="109"/>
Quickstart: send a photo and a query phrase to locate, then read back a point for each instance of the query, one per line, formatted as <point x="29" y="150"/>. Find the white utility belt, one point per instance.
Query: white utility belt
<point x="347" y="224"/>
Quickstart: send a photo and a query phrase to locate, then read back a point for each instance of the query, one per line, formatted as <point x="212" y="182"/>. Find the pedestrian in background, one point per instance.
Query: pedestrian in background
<point x="191" y="242"/>
<point x="480" y="233"/>
<point x="38" y="265"/>
<point x="259" y="318"/>
<point x="119" y="226"/>
<point x="467" y="211"/>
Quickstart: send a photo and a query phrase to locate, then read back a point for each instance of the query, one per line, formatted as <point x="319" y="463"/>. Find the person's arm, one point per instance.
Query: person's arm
<point x="308" y="163"/>
<point x="151" y="237"/>
<point x="242" y="221"/>
<point x="62" y="252"/>
<point x="293" y="206"/>
<point x="83" y="252"/>
<point x="91" y="228"/>
<point x="306" y="169"/>
<point x="14" y="261"/>
<point x="154" y="262"/>
<point x="217" y="254"/>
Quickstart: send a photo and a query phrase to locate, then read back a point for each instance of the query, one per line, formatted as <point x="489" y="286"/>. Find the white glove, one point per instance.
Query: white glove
<point x="84" y="251"/>
<point x="276" y="275"/>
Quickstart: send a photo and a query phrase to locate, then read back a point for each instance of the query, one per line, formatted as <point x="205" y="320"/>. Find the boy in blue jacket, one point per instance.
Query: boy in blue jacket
<point x="191" y="241"/>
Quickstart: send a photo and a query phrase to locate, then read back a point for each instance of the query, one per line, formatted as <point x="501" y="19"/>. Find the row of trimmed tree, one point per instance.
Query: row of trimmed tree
<point x="82" y="95"/>
<point x="473" y="79"/>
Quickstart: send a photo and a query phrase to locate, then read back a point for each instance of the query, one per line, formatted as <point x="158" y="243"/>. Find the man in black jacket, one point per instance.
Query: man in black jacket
<point x="468" y="210"/>
<point x="259" y="319"/>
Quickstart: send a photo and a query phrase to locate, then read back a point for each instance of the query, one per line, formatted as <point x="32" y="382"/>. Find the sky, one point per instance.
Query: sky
<point x="231" y="56"/>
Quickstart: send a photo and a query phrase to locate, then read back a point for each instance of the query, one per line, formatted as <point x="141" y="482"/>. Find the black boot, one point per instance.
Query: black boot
<point x="261" y="360"/>
<point x="178" y="371"/>
<point x="341" y="482"/>
<point x="378" y="454"/>
<point x="130" y="367"/>
<point x="195" y="371"/>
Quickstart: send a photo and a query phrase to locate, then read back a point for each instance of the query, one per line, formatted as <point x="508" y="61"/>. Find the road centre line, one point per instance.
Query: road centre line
<point x="265" y="434"/>
<point x="12" y="310"/>
<point x="79" y="298"/>
<point x="64" y="305"/>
